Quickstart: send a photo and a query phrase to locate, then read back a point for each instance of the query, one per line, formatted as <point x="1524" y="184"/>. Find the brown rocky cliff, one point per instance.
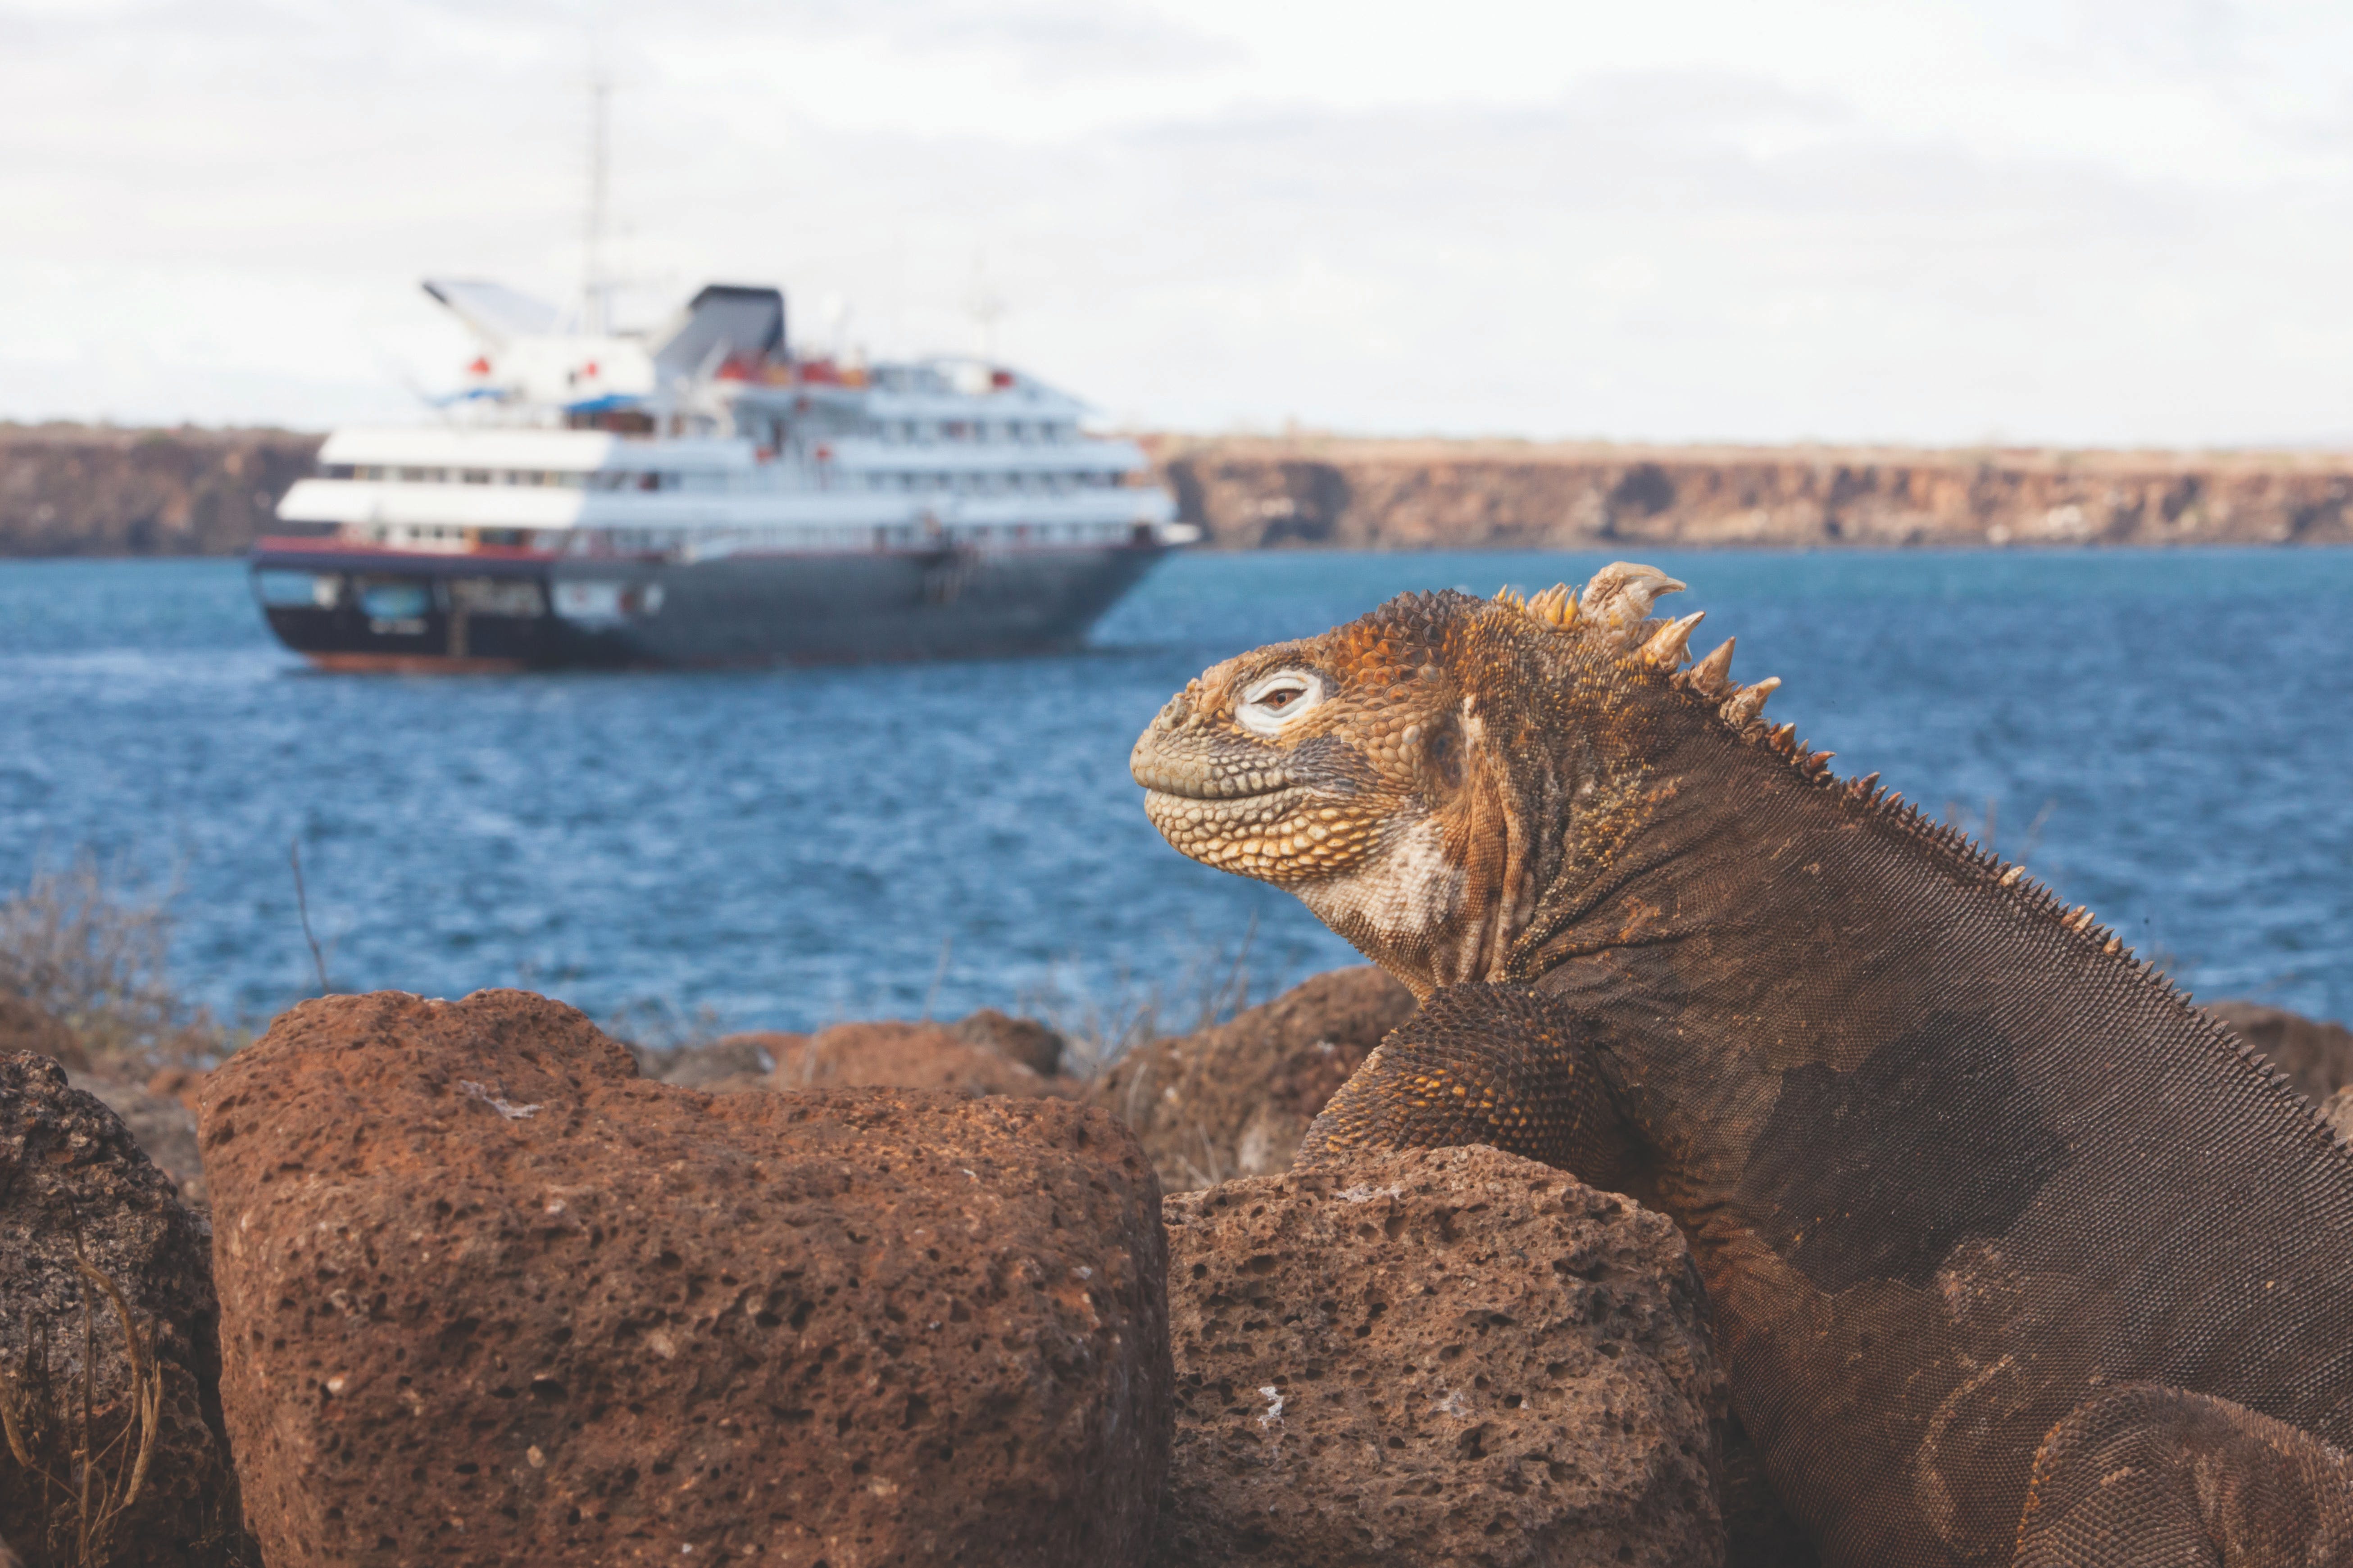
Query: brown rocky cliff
<point x="69" y="489"/>
<point x="1255" y="492"/>
<point x="76" y="490"/>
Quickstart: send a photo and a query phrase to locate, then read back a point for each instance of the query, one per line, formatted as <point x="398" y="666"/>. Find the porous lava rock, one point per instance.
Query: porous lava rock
<point x="2316" y="1055"/>
<point x="1236" y="1099"/>
<point x="1437" y="1356"/>
<point x="903" y="1056"/>
<point x="163" y="1126"/>
<point x="727" y="1066"/>
<point x="489" y="1296"/>
<point x="1023" y="1041"/>
<point x="26" y="1025"/>
<point x="2337" y="1111"/>
<point x="73" y="1183"/>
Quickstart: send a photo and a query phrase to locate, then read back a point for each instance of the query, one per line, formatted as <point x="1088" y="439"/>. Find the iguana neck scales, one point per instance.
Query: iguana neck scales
<point x="1956" y="1168"/>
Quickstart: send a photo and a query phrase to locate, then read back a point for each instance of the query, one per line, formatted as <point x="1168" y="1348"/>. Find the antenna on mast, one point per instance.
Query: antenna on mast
<point x="985" y="306"/>
<point x="595" y="288"/>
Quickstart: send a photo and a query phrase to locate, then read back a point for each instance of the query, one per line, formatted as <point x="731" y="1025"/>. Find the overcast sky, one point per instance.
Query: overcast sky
<point x="2115" y="221"/>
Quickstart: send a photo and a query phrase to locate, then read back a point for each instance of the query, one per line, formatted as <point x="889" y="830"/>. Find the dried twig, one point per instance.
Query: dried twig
<point x="102" y="1479"/>
<point x="303" y="908"/>
<point x="939" y="974"/>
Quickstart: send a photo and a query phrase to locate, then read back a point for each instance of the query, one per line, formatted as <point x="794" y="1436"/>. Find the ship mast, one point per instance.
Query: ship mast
<point x="594" y="285"/>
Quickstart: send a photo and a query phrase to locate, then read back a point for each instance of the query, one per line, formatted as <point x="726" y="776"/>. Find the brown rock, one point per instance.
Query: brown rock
<point x="1235" y="1099"/>
<point x="1436" y="1356"/>
<point x="489" y="1296"/>
<point x="2337" y="1111"/>
<point x="26" y="1026"/>
<point x="68" y="490"/>
<point x="2317" y="1055"/>
<point x="724" y="1066"/>
<point x="1345" y="493"/>
<point x="165" y="1129"/>
<point x="183" y="1084"/>
<point x="70" y="1176"/>
<point x="903" y="1056"/>
<point x="1023" y="1041"/>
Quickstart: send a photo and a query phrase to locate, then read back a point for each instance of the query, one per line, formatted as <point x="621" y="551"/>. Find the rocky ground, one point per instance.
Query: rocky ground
<point x="78" y="490"/>
<point x="471" y="1282"/>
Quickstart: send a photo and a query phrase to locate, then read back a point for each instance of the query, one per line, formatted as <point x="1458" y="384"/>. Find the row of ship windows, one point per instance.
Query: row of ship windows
<point x="636" y="540"/>
<point x="1019" y="484"/>
<point x="1017" y="432"/>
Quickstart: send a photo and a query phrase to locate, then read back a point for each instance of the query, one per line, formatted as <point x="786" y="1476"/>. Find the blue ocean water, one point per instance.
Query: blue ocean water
<point x="2165" y="735"/>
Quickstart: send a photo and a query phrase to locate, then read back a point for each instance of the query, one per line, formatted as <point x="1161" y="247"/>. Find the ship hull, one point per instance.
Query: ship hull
<point x="374" y="610"/>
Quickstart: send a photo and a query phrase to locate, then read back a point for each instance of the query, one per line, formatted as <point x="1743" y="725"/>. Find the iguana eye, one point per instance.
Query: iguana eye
<point x="1273" y="701"/>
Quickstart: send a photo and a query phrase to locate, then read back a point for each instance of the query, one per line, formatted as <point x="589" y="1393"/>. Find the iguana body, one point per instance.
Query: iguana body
<point x="1968" y="1184"/>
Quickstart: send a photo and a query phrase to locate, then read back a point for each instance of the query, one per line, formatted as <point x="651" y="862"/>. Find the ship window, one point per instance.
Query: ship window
<point x="477" y="476"/>
<point x="309" y="590"/>
<point x="395" y="600"/>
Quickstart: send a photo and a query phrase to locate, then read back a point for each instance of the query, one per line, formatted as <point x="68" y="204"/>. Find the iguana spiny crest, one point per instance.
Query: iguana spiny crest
<point x="1406" y="775"/>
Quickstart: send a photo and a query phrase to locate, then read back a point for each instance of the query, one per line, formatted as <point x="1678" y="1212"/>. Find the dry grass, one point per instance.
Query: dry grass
<point x="92" y="952"/>
<point x="1098" y="1031"/>
<point x="82" y="1508"/>
<point x="657" y="1033"/>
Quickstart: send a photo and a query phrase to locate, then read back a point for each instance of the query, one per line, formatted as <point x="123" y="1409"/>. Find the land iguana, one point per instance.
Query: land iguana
<point x="2014" y="1256"/>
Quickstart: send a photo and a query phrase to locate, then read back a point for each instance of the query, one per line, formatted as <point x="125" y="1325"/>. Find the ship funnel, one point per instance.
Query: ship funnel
<point x="725" y="322"/>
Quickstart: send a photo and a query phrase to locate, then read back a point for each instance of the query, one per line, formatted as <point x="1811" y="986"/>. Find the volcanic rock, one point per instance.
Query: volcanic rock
<point x="1023" y="1041"/>
<point x="903" y="1056"/>
<point x="2316" y="1055"/>
<point x="489" y="1296"/>
<point x="73" y="1181"/>
<point x="2337" y="1111"/>
<point x="1449" y="1355"/>
<point x="1236" y="1099"/>
<point x="26" y="1026"/>
<point x="723" y="1067"/>
<point x="165" y="1127"/>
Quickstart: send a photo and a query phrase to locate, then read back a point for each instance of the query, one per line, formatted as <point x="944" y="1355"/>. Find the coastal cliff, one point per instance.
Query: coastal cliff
<point x="82" y="490"/>
<point x="1260" y="492"/>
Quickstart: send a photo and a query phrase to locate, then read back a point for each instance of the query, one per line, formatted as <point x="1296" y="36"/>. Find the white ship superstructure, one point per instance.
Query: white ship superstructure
<point x="963" y="482"/>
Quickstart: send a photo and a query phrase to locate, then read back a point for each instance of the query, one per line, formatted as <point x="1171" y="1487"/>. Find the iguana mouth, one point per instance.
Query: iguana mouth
<point x="1267" y="808"/>
<point x="1193" y="779"/>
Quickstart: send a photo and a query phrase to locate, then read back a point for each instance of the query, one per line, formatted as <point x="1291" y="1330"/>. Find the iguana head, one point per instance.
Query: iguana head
<point x="1412" y="775"/>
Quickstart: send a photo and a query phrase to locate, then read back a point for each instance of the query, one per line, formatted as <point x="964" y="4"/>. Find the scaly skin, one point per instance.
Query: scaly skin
<point x="2013" y="1255"/>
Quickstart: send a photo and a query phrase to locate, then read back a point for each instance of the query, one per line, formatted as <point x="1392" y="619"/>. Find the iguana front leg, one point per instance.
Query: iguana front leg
<point x="1482" y="1063"/>
<point x="2149" y="1476"/>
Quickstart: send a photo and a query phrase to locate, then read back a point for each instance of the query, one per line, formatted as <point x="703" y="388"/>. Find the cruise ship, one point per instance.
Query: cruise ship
<point x="701" y="495"/>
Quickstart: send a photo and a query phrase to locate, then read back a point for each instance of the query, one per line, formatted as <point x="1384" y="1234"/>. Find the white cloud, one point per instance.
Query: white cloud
<point x="2078" y="223"/>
